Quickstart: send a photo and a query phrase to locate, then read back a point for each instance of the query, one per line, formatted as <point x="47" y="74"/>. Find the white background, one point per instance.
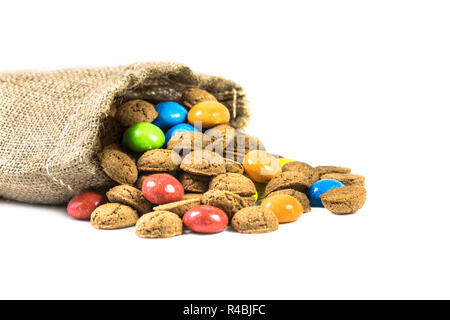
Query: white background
<point x="363" y="84"/>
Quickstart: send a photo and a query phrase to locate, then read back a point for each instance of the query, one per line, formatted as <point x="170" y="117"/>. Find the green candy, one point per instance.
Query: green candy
<point x="143" y="136"/>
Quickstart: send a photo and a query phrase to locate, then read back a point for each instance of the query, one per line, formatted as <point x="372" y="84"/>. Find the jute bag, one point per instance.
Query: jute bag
<point x="50" y="122"/>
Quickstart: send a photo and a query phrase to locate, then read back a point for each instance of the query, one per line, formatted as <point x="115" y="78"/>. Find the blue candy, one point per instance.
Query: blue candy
<point x="179" y="128"/>
<point x="169" y="114"/>
<point x="319" y="188"/>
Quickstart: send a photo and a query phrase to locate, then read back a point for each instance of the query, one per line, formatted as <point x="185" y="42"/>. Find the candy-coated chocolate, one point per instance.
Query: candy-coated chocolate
<point x="319" y="188"/>
<point x="209" y="114"/>
<point x="179" y="128"/>
<point x="283" y="161"/>
<point x="82" y="205"/>
<point x="162" y="188"/>
<point x="205" y="219"/>
<point x="143" y="136"/>
<point x="285" y="207"/>
<point x="261" y="166"/>
<point x="169" y="114"/>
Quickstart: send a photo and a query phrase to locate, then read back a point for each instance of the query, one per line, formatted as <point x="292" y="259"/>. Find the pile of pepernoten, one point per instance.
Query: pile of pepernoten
<point x="180" y="166"/>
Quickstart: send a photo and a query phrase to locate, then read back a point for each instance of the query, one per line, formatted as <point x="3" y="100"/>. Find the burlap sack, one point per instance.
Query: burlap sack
<point x="50" y="121"/>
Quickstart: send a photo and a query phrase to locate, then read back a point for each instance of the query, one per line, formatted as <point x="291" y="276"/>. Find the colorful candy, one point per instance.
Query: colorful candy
<point x="82" y="205"/>
<point x="283" y="161"/>
<point x="162" y="188"/>
<point x="143" y="136"/>
<point x="261" y="166"/>
<point x="285" y="207"/>
<point x="209" y="114"/>
<point x="169" y="114"/>
<point x="320" y="187"/>
<point x="205" y="219"/>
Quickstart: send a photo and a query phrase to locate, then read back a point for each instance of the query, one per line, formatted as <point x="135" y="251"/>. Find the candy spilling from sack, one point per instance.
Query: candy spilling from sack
<point x="180" y="166"/>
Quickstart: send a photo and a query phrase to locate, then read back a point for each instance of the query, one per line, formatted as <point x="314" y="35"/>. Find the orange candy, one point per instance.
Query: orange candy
<point x="286" y="208"/>
<point x="209" y="113"/>
<point x="261" y="166"/>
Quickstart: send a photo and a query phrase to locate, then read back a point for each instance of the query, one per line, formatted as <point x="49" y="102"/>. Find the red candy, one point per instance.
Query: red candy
<point x="162" y="188"/>
<point x="205" y="219"/>
<point x="82" y="205"/>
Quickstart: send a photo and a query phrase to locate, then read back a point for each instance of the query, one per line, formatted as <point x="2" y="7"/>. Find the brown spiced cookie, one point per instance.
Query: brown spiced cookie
<point x="192" y="96"/>
<point x="233" y="166"/>
<point x="135" y="111"/>
<point x="118" y="164"/>
<point x="300" y="196"/>
<point x="194" y="183"/>
<point x="331" y="169"/>
<point x="243" y="143"/>
<point x="159" y="224"/>
<point x="249" y="201"/>
<point x="304" y="168"/>
<point x="188" y="141"/>
<point x="347" y="179"/>
<point x="233" y="182"/>
<point x="159" y="160"/>
<point x="254" y="220"/>
<point x="229" y="202"/>
<point x="220" y="136"/>
<point x="178" y="207"/>
<point x="344" y="200"/>
<point x="235" y="156"/>
<point x="289" y="180"/>
<point x="203" y="162"/>
<point x="188" y="196"/>
<point x="140" y="180"/>
<point x="130" y="196"/>
<point x="113" y="216"/>
<point x="110" y="131"/>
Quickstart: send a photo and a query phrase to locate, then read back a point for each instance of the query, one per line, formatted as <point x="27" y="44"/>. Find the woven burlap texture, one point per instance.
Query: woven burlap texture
<point x="50" y="122"/>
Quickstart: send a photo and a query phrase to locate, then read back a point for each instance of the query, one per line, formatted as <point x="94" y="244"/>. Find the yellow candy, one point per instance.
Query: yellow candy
<point x="209" y="113"/>
<point x="283" y="161"/>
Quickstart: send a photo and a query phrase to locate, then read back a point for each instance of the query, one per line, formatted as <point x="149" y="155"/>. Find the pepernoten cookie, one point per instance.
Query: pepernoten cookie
<point x="233" y="182"/>
<point x="179" y="207"/>
<point x="194" y="183"/>
<point x="135" y="111"/>
<point x="229" y="202"/>
<point x="331" y="169"/>
<point x="130" y="196"/>
<point x="300" y="196"/>
<point x="159" y="160"/>
<point x="233" y="166"/>
<point x="118" y="164"/>
<point x="220" y="136"/>
<point x="159" y="224"/>
<point x="188" y="196"/>
<point x="113" y="216"/>
<point x="347" y="179"/>
<point x="188" y="141"/>
<point x="254" y="220"/>
<point x="243" y="143"/>
<point x="203" y="162"/>
<point x="304" y="168"/>
<point x="289" y="180"/>
<point x="192" y="96"/>
<point x="344" y="200"/>
<point x="249" y="200"/>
